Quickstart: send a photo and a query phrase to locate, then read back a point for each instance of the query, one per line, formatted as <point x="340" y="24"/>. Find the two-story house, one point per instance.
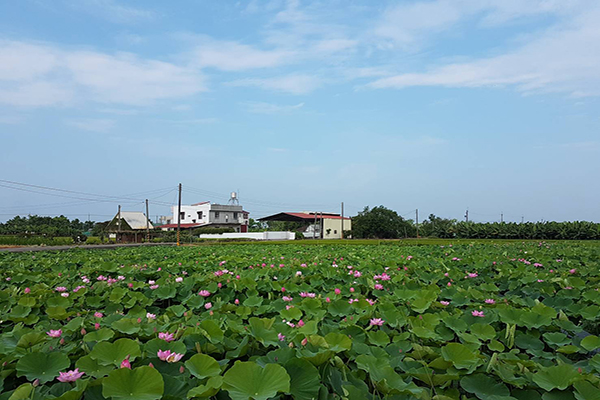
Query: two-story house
<point x="209" y="214"/>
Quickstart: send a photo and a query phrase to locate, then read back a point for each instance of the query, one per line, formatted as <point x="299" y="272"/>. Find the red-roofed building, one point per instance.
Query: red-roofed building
<point x="315" y="225"/>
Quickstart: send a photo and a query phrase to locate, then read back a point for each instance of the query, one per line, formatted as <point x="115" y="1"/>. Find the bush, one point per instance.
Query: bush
<point x="214" y="231"/>
<point x="93" y="240"/>
<point x="35" y="241"/>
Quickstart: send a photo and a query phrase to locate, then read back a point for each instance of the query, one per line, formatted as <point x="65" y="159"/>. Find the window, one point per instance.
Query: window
<point x="235" y="215"/>
<point x="335" y="232"/>
<point x="199" y="214"/>
<point x="182" y="215"/>
<point x="216" y="214"/>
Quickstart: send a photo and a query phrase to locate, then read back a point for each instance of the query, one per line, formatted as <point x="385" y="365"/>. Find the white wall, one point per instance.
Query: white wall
<point x="251" y="235"/>
<point x="191" y="214"/>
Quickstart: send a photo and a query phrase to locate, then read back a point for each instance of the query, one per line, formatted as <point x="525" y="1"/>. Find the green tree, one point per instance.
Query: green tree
<point x="381" y="223"/>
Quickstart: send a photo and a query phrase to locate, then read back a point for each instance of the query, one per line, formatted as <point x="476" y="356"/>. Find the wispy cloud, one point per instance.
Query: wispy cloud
<point x="562" y="59"/>
<point x="46" y="75"/>
<point x="92" y="125"/>
<point x="114" y="11"/>
<point x="297" y="84"/>
<point x="258" y="107"/>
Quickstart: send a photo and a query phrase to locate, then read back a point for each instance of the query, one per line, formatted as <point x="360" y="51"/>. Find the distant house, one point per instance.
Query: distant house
<point x="315" y="225"/>
<point x="206" y="214"/>
<point x="128" y="227"/>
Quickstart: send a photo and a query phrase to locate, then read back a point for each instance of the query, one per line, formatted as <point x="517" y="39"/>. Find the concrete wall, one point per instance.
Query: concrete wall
<point x="252" y="235"/>
<point x="335" y="228"/>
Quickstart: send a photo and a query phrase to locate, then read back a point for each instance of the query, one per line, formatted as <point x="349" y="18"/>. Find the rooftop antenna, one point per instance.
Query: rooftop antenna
<point x="233" y="199"/>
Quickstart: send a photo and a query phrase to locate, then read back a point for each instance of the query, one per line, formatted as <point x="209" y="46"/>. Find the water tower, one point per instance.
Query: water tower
<point x="233" y="199"/>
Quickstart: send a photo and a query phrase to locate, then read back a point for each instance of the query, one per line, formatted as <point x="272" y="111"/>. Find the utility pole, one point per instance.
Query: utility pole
<point x="467" y="216"/>
<point x="522" y="219"/>
<point x="179" y="216"/>
<point x="315" y="227"/>
<point x="501" y="218"/>
<point x="147" y="223"/>
<point x="417" y="220"/>
<point x="119" y="223"/>
<point x="342" y="220"/>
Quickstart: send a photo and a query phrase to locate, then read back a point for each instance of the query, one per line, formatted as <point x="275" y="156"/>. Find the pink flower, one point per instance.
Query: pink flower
<point x="179" y="279"/>
<point x="444" y="303"/>
<point x="27" y="290"/>
<point x="150" y="316"/>
<point x="371" y="302"/>
<point x="300" y="323"/>
<point x="490" y="301"/>
<point x="237" y="301"/>
<point x="65" y="294"/>
<point x="166" y="336"/>
<point x="283" y="290"/>
<point x="151" y="282"/>
<point x="60" y="289"/>
<point x="208" y="306"/>
<point x="54" y="333"/>
<point x="97" y="326"/>
<point x="446" y="274"/>
<point x="327" y="299"/>
<point x="572" y="271"/>
<point x="298" y="273"/>
<point x="473" y="275"/>
<point x="204" y="293"/>
<point x="70" y="376"/>
<point x="130" y="285"/>
<point x="357" y="274"/>
<point x="378" y="286"/>
<point x="449" y="284"/>
<point x="337" y="291"/>
<point x="304" y="341"/>
<point x="376" y="322"/>
<point x="287" y="298"/>
<point x="98" y="314"/>
<point x="280" y="337"/>
<point x="540" y="280"/>
<point x="477" y="313"/>
<point x="351" y="290"/>
<point x="168" y="356"/>
<point x="125" y="363"/>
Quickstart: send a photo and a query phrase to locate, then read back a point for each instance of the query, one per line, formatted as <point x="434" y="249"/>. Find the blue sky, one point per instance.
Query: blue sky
<point x="440" y="105"/>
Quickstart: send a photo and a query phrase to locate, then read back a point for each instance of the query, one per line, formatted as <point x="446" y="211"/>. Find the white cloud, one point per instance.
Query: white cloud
<point x="270" y="108"/>
<point x="112" y="11"/>
<point x="294" y="84"/>
<point x="561" y="60"/>
<point x="45" y="75"/>
<point x="92" y="125"/>
<point x="234" y="56"/>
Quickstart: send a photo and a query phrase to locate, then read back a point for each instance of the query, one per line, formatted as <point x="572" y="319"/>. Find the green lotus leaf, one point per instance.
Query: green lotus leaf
<point x="59" y="313"/>
<point x="114" y="353"/>
<point x="586" y="391"/>
<point x="483" y="386"/>
<point x="31" y="339"/>
<point x="100" y="335"/>
<point x="305" y="380"/>
<point x="19" y="311"/>
<point x="42" y="366"/>
<point x="92" y="368"/>
<point x="338" y="342"/>
<point x="483" y="332"/>
<point x="262" y="330"/>
<point x="557" y="377"/>
<point x="128" y="326"/>
<point x="247" y="380"/>
<point x="556" y="338"/>
<point x="142" y="383"/>
<point x="339" y="307"/>
<point x="460" y="356"/>
<point x="590" y="343"/>
<point x="291" y="314"/>
<point x="203" y="366"/>
<point x="210" y="388"/>
<point x="153" y="346"/>
<point x="212" y="331"/>
<point x="379" y="338"/>
<point x="23" y="392"/>
<point x="165" y="292"/>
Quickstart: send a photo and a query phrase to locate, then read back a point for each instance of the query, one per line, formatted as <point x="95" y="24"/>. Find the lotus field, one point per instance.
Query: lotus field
<point x="254" y="321"/>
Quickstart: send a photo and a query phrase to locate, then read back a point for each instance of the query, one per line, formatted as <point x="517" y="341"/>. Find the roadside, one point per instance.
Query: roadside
<point x="94" y="246"/>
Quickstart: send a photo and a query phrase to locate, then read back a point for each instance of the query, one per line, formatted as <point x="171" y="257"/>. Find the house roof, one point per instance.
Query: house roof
<point x="300" y="216"/>
<point x="135" y="219"/>
<point x="199" y="204"/>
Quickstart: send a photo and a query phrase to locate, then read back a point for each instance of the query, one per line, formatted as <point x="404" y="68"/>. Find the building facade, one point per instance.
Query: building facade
<point x="206" y="214"/>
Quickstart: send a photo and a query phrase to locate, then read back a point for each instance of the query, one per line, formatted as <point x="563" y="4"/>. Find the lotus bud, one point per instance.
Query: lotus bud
<point x="36" y="383"/>
<point x="182" y="369"/>
<point x="62" y="341"/>
<point x="304" y="341"/>
<point x="83" y="331"/>
<point x="151" y="365"/>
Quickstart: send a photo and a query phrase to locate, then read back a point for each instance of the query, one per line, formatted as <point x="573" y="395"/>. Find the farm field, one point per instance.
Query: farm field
<point x="326" y="321"/>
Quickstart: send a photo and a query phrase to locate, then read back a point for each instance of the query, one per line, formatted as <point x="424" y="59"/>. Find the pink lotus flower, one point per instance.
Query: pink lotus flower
<point x="371" y="302"/>
<point x="280" y="337"/>
<point x="70" y="376"/>
<point x="208" y="306"/>
<point x="490" y="301"/>
<point x="449" y="284"/>
<point x="444" y="303"/>
<point x="237" y="301"/>
<point x="168" y="356"/>
<point x="540" y="280"/>
<point x="166" y="336"/>
<point x="572" y="271"/>
<point x="98" y="314"/>
<point x="304" y="341"/>
<point x="179" y="279"/>
<point x="150" y="316"/>
<point x="287" y="298"/>
<point x="351" y="290"/>
<point x="337" y="291"/>
<point x="300" y="323"/>
<point x="60" y="289"/>
<point x="376" y="322"/>
<point x="27" y="290"/>
<point x="327" y="299"/>
<point x="125" y="363"/>
<point x="477" y="314"/>
<point x="204" y="293"/>
<point x="378" y="286"/>
<point x="97" y="326"/>
<point x="54" y="333"/>
<point x="65" y="294"/>
<point x="298" y="273"/>
<point x="473" y="275"/>
<point x="151" y="282"/>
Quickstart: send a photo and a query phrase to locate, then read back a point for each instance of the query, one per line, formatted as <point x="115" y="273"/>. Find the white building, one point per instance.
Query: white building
<point x="206" y="214"/>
